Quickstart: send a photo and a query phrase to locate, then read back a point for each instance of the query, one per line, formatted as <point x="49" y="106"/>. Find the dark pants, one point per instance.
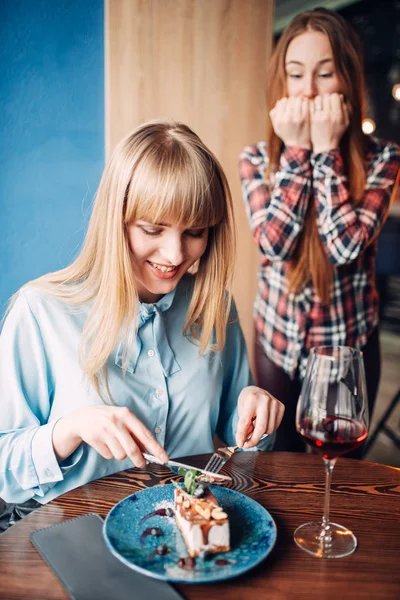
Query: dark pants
<point x="11" y="513"/>
<point x="278" y="383"/>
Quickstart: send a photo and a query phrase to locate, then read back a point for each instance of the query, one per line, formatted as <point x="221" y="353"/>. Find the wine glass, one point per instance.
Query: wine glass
<point x="332" y="417"/>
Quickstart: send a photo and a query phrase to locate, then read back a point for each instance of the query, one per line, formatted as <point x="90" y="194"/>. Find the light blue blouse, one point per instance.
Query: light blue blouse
<point x="183" y="398"/>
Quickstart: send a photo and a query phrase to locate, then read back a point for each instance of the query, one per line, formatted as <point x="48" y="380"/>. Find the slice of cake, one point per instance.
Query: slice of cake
<point x="202" y="521"/>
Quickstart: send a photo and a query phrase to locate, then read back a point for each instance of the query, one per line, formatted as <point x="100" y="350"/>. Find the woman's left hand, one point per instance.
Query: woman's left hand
<point x="259" y="413"/>
<point x="329" y="119"/>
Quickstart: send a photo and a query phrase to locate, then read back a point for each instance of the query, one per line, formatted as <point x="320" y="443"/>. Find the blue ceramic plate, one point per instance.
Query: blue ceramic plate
<point x="127" y="534"/>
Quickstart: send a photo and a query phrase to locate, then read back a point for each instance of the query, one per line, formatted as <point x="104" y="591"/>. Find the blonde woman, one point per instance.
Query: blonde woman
<point x="317" y="193"/>
<point x="125" y="350"/>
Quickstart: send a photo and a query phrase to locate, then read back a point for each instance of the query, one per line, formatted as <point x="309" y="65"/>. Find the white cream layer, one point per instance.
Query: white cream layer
<point x="218" y="535"/>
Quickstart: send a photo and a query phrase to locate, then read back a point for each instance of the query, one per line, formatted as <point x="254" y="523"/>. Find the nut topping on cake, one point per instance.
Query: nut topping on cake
<point x="219" y="514"/>
<point x="203" y="523"/>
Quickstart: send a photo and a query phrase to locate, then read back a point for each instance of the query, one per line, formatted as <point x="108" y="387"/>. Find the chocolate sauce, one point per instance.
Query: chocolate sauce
<point x="161" y="512"/>
<point x="154" y="531"/>
<point x="222" y="562"/>
<point x="187" y="563"/>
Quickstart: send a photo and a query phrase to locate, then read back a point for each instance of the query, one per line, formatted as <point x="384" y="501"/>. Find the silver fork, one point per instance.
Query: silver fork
<point x="222" y="455"/>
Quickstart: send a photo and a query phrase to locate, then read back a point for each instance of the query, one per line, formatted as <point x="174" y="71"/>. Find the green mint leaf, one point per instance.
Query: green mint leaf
<point x="190" y="480"/>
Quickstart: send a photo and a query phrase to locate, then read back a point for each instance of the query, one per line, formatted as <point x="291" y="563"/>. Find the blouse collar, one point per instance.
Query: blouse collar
<point x="152" y="312"/>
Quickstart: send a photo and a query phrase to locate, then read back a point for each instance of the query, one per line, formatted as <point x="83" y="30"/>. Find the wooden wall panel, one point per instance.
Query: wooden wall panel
<point x="202" y="62"/>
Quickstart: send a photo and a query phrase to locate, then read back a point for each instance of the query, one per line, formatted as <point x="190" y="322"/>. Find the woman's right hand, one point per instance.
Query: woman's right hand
<point x="114" y="432"/>
<point x="291" y="121"/>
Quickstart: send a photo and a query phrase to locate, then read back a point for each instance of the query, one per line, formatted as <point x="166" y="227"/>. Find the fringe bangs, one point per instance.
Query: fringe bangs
<point x="177" y="188"/>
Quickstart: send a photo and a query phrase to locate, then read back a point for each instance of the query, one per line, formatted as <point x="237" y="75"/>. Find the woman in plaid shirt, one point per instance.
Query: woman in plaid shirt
<point x="317" y="193"/>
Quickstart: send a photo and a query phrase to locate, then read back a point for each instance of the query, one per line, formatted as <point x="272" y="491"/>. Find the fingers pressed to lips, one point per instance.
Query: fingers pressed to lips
<point x="277" y="109"/>
<point x="346" y="112"/>
<point x="290" y="107"/>
<point x="318" y="103"/>
<point x="326" y="101"/>
<point x="305" y="108"/>
<point x="335" y="103"/>
<point x="313" y="107"/>
<point x="297" y="104"/>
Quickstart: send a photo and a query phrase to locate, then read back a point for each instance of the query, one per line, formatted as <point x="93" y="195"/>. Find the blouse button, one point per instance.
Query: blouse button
<point x="157" y="430"/>
<point x="151" y="353"/>
<point x="159" y="392"/>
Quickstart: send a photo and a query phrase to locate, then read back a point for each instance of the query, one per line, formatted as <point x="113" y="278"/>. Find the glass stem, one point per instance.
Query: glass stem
<point x="329" y="464"/>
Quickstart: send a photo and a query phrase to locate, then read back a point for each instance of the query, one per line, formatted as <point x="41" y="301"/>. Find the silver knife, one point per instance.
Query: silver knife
<point x="206" y="476"/>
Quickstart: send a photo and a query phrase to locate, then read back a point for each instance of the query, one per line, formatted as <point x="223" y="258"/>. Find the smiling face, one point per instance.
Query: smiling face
<point x="161" y="254"/>
<point x="309" y="65"/>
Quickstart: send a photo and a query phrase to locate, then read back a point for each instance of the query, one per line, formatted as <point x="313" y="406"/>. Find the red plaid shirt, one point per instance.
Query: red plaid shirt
<point x="289" y="325"/>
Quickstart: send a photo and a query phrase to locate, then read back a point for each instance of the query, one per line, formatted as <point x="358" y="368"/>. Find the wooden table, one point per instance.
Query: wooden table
<point x="365" y="497"/>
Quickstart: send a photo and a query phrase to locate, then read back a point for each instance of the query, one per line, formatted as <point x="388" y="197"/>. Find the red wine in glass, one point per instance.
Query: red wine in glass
<point x="332" y="417"/>
<point x="335" y="436"/>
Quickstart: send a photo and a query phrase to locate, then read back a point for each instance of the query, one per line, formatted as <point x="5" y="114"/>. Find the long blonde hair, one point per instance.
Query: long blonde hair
<point x="310" y="259"/>
<point x="161" y="171"/>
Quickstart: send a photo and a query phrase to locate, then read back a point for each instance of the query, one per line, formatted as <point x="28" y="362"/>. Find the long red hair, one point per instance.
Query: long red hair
<point x="310" y="259"/>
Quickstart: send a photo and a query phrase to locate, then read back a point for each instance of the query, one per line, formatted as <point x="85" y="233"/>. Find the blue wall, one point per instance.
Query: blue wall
<point x="52" y="132"/>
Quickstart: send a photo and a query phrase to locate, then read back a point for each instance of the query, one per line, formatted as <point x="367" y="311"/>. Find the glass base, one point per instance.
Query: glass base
<point x="330" y="541"/>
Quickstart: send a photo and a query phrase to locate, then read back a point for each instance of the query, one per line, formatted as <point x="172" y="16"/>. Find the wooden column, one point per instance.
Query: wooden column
<point x="202" y="62"/>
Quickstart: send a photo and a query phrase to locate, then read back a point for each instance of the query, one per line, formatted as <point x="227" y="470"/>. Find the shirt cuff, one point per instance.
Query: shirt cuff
<point x="296" y="160"/>
<point x="48" y="470"/>
<point x="328" y="163"/>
